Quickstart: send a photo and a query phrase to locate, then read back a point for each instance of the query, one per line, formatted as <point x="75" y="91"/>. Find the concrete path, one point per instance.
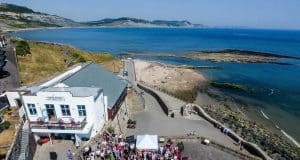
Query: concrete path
<point x="59" y="146"/>
<point x="13" y="80"/>
<point x="154" y="121"/>
<point x="196" y="150"/>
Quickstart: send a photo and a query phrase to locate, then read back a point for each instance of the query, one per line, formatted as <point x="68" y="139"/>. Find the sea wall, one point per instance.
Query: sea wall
<point x="159" y="100"/>
<point x="250" y="147"/>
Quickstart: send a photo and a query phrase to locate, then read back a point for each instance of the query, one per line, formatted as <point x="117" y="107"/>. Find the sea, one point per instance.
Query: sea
<point x="275" y="88"/>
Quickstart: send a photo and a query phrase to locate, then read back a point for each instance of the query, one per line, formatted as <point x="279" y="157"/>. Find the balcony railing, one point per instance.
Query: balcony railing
<point x="58" y="125"/>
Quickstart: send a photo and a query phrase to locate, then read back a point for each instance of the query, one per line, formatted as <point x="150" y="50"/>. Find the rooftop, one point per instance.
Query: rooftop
<point x="87" y="79"/>
<point x="94" y="76"/>
<point x="76" y="91"/>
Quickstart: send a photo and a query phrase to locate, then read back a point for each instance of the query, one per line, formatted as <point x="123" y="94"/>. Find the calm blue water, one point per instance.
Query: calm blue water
<point x="277" y="87"/>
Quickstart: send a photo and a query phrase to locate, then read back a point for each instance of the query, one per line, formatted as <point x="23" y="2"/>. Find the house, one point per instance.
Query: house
<point x="75" y="103"/>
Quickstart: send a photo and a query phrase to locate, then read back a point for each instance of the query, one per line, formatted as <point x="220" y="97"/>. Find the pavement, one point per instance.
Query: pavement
<point x="196" y="150"/>
<point x="13" y="80"/>
<point x="59" y="146"/>
<point x="129" y="67"/>
<point x="154" y="121"/>
<point x="173" y="104"/>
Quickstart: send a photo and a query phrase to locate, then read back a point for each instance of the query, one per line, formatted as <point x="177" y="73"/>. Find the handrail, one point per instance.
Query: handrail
<point x="53" y="125"/>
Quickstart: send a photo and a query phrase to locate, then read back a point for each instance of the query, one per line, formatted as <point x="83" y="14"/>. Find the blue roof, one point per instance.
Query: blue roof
<point x="95" y="76"/>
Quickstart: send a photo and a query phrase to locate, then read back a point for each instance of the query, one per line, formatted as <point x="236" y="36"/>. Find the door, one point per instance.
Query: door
<point x="51" y="112"/>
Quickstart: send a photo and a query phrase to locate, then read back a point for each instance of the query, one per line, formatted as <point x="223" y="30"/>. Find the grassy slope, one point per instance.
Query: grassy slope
<point x="46" y="60"/>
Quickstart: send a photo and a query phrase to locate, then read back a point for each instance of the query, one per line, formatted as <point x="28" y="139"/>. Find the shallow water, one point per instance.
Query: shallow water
<point x="277" y="87"/>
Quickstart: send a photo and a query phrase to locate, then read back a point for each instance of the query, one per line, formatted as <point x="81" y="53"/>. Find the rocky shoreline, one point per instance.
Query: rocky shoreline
<point x="239" y="56"/>
<point x="247" y="125"/>
<point x="226" y="55"/>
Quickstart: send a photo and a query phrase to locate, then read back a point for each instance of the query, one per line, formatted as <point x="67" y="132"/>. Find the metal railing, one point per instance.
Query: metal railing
<point x="58" y="125"/>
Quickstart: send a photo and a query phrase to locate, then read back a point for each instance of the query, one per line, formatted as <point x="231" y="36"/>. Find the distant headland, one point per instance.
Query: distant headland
<point x="14" y="17"/>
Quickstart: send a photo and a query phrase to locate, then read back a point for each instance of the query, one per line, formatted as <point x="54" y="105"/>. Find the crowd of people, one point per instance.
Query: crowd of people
<point x="114" y="147"/>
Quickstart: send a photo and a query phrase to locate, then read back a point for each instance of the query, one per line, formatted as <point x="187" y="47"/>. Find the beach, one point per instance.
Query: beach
<point x="167" y="77"/>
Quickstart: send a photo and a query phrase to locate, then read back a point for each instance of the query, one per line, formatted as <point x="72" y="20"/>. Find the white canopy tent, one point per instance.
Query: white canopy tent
<point x="147" y="142"/>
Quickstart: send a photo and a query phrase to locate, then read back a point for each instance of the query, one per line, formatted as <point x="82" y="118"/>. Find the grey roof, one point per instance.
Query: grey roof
<point x="76" y="91"/>
<point x="93" y="75"/>
<point x="3" y="106"/>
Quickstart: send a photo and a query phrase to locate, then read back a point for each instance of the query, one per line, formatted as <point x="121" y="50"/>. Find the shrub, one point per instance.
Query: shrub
<point x="185" y="95"/>
<point x="81" y="59"/>
<point x="110" y="129"/>
<point x="22" y="48"/>
<point x="4" y="125"/>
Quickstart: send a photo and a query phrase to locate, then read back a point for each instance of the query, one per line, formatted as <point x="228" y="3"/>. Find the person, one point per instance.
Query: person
<point x="69" y="155"/>
<point x="77" y="144"/>
<point x="79" y="157"/>
<point x="161" y="149"/>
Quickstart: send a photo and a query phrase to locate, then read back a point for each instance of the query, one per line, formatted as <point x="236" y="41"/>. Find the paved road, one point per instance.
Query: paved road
<point x="196" y="150"/>
<point x="59" y="146"/>
<point x="129" y="67"/>
<point x="13" y="80"/>
<point x="153" y="121"/>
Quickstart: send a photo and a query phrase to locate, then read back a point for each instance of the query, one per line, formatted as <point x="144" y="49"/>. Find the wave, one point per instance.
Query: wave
<point x="282" y="131"/>
<point x="264" y="114"/>
<point x="290" y="138"/>
<point x="272" y="92"/>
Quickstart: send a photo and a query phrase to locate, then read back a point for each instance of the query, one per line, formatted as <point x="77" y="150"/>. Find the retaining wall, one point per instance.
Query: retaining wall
<point x="250" y="147"/>
<point x="159" y="100"/>
<point x="14" y="150"/>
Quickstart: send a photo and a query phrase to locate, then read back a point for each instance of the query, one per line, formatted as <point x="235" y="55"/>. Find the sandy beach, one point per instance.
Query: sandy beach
<point x="167" y="77"/>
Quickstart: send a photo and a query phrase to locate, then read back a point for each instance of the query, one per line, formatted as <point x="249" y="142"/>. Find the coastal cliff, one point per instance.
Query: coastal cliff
<point x="13" y="17"/>
<point x="134" y="22"/>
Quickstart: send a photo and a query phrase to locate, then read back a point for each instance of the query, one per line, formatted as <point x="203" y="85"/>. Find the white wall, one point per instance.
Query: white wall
<point x="11" y="96"/>
<point x="95" y="109"/>
<point x="99" y="118"/>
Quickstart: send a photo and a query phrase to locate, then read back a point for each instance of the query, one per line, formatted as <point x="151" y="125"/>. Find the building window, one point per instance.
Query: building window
<point x="49" y="106"/>
<point x="65" y="110"/>
<point x="81" y="110"/>
<point x="32" y="109"/>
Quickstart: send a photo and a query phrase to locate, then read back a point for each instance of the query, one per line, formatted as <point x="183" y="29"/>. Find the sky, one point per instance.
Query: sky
<point x="274" y="14"/>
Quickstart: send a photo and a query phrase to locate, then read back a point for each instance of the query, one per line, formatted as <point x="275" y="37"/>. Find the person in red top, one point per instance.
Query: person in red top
<point x="119" y="147"/>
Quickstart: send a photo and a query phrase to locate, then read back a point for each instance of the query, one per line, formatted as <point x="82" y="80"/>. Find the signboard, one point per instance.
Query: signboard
<point x="55" y="98"/>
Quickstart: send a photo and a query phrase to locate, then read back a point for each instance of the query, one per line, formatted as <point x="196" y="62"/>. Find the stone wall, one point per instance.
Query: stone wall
<point x="14" y="150"/>
<point x="119" y="123"/>
<point x="31" y="146"/>
<point x="159" y="100"/>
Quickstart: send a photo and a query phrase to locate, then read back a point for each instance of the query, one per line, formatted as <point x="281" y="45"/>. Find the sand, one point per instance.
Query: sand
<point x="167" y="77"/>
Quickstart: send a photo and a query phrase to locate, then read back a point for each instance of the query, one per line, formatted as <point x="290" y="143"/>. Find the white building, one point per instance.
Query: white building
<point x="76" y="103"/>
